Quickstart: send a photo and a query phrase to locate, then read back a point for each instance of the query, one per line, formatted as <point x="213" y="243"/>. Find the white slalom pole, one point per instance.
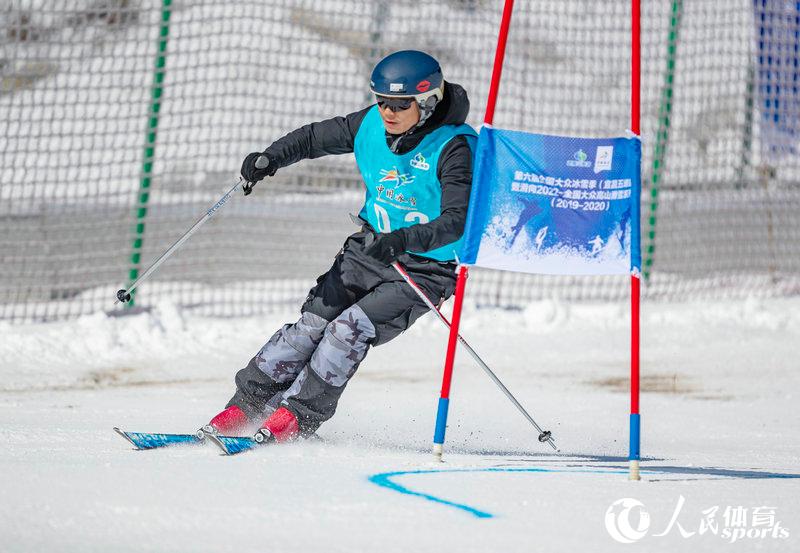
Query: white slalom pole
<point x="544" y="435"/>
<point x="125" y="295"/>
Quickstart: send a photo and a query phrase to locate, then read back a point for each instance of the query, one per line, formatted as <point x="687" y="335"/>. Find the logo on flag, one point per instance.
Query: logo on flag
<point x="579" y="159"/>
<point x="602" y="160"/>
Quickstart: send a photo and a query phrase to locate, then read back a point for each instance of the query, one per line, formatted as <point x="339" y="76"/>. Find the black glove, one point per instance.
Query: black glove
<point x="387" y="247"/>
<point x="255" y="167"/>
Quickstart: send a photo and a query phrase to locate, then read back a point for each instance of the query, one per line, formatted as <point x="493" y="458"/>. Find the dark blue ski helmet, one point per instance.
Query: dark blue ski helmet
<point x="410" y="74"/>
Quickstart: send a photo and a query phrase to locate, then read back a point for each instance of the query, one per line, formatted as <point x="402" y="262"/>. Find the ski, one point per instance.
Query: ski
<point x="231" y="445"/>
<point x="148" y="440"/>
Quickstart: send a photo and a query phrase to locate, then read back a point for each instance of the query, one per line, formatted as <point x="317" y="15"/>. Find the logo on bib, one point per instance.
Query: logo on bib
<point x="392" y="194"/>
<point x="419" y="163"/>
<point x="393" y="175"/>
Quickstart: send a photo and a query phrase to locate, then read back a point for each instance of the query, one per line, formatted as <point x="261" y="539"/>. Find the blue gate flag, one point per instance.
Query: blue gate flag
<point x="554" y="205"/>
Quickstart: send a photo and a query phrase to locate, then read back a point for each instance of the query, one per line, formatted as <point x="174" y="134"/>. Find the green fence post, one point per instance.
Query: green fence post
<point x="662" y="135"/>
<point x="149" y="146"/>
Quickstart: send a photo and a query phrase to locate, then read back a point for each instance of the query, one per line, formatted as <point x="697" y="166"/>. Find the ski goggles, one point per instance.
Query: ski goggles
<point x="394" y="104"/>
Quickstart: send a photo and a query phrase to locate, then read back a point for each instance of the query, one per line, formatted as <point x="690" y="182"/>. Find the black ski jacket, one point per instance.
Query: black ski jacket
<point x="337" y="136"/>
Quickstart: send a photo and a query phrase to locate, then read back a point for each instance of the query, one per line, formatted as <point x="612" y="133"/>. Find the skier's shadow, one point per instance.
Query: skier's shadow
<point x="650" y="465"/>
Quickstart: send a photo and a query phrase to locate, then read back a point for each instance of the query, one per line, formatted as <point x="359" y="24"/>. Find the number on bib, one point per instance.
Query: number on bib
<point x="385" y="224"/>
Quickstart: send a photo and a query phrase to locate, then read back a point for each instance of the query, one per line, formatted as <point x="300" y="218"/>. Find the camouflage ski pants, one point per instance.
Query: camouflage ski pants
<point x="357" y="304"/>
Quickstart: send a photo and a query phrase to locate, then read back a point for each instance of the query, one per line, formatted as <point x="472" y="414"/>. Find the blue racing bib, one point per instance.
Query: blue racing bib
<point x="404" y="189"/>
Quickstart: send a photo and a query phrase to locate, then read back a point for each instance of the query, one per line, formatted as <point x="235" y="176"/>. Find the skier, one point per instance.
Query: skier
<point x="414" y="153"/>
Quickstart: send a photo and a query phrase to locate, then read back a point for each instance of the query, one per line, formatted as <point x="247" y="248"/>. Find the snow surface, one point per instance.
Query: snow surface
<point x="719" y="418"/>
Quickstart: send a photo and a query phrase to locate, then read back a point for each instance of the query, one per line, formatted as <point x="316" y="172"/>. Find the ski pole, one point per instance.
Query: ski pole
<point x="125" y="295"/>
<point x="544" y="435"/>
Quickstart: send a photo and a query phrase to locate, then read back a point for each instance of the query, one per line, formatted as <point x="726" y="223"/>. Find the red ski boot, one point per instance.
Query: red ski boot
<point x="228" y="423"/>
<point x="281" y="426"/>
